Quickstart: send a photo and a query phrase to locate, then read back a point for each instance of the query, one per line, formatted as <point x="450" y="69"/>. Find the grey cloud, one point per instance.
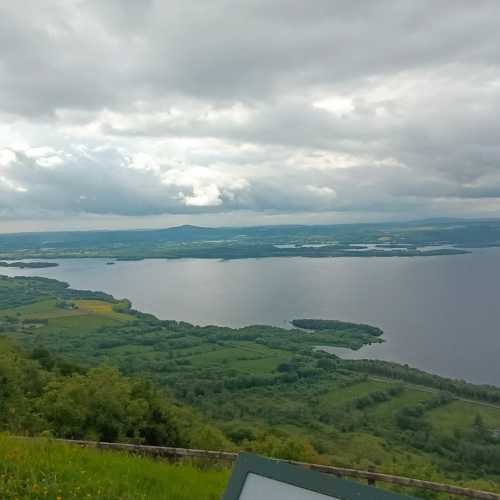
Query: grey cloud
<point x="227" y="102"/>
<point x="92" y="53"/>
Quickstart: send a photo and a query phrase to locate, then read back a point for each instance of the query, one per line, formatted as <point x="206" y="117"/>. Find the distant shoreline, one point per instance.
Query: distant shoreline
<point x="412" y="239"/>
<point x="28" y="265"/>
<point x="232" y="253"/>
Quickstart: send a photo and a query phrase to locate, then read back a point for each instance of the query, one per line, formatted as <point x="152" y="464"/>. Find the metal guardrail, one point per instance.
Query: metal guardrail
<point x="371" y="477"/>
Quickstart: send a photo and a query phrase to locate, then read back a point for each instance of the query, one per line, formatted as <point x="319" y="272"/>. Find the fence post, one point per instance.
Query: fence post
<point x="371" y="480"/>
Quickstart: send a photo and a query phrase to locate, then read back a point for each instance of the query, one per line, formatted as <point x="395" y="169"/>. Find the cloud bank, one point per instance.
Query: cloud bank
<point x="338" y="110"/>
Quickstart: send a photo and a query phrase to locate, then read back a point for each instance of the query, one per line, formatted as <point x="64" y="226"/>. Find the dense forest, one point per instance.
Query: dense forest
<point x="81" y="364"/>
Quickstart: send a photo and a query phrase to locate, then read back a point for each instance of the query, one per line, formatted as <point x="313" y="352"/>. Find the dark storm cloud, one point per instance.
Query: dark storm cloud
<point x="142" y="108"/>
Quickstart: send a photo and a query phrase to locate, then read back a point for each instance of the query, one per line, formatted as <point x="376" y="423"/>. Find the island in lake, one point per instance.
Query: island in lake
<point x="342" y="333"/>
<point x="28" y="265"/>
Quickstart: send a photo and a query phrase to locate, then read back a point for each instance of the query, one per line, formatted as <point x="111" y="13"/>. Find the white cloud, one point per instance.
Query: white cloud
<point x="142" y="161"/>
<point x="204" y="196"/>
<point x="40" y="152"/>
<point x="7" y="157"/>
<point x="49" y="161"/>
<point x="203" y="187"/>
<point x="337" y="105"/>
<point x="323" y="191"/>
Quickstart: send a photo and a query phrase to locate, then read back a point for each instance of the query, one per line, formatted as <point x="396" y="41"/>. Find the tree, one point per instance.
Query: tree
<point x="107" y="406"/>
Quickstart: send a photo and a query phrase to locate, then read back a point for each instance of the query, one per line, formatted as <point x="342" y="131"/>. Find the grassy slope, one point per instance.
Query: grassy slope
<point x="38" y="469"/>
<point x="460" y="415"/>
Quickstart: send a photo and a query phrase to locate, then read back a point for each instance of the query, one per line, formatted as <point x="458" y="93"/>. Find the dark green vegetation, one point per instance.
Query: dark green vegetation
<point x="28" y="265"/>
<point x="43" y="394"/>
<point x="258" y="388"/>
<point x="39" y="469"/>
<point x="353" y="335"/>
<point x="422" y="238"/>
<point x="25" y="291"/>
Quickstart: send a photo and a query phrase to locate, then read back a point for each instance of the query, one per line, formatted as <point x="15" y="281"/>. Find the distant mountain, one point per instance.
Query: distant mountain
<point x="140" y="242"/>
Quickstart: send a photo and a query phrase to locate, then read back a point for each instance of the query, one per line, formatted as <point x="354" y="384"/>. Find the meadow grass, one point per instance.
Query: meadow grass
<point x="101" y="307"/>
<point x="461" y="415"/>
<point x="215" y="357"/>
<point x="248" y="358"/>
<point x="43" y="305"/>
<point x="388" y="409"/>
<point x="343" y="395"/>
<point x="260" y="365"/>
<point x="40" y="468"/>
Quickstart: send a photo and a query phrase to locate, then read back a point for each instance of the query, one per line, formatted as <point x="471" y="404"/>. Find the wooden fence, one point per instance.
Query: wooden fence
<point x="371" y="477"/>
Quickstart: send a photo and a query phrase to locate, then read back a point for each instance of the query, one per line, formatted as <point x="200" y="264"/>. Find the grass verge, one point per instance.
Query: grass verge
<point x="40" y="468"/>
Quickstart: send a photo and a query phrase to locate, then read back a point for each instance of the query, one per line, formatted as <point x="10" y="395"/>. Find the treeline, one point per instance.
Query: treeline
<point x="412" y="375"/>
<point x="377" y="397"/>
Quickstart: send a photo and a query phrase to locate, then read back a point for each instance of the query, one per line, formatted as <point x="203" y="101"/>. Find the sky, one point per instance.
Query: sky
<point x="126" y="113"/>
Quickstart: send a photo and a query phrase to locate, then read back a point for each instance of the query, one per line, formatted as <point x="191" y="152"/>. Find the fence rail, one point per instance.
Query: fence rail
<point x="371" y="477"/>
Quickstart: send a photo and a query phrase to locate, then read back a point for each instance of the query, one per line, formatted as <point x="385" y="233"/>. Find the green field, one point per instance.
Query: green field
<point x="460" y="415"/>
<point x="341" y="396"/>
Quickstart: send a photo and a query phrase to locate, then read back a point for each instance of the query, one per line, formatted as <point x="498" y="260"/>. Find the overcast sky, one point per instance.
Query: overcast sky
<point x="149" y="113"/>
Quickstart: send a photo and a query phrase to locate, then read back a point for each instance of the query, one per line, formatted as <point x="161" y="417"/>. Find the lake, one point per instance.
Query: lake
<point x="440" y="314"/>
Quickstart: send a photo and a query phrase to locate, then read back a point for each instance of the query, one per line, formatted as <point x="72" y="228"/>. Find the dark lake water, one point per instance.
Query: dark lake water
<point x="440" y="314"/>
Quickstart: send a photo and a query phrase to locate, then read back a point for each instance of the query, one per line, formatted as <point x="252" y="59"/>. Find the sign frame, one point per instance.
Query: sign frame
<point x="300" y="477"/>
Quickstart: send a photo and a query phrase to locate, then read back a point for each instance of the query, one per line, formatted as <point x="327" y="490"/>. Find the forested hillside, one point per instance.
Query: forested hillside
<point x="81" y="364"/>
